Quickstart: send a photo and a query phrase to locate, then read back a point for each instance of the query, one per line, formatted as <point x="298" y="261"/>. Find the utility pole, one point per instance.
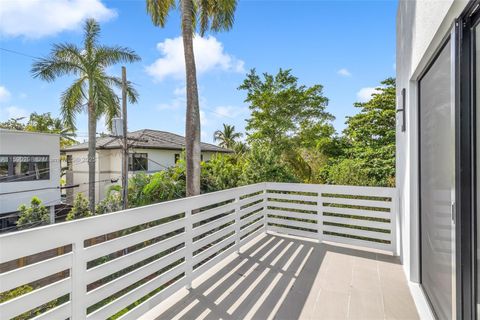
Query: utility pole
<point x="125" y="142"/>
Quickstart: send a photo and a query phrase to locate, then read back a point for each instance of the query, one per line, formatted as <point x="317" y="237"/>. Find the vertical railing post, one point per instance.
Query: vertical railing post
<point x="320" y="213"/>
<point x="265" y="207"/>
<point x="237" y="223"/>
<point x="395" y="223"/>
<point x="188" y="249"/>
<point x="79" y="287"/>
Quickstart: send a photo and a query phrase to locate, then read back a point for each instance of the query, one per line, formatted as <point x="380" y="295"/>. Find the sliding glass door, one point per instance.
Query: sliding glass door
<point x="437" y="179"/>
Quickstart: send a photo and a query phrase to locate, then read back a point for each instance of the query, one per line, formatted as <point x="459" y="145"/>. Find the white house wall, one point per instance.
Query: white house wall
<point x="29" y="143"/>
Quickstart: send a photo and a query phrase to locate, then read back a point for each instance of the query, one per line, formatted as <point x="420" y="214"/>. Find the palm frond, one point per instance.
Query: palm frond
<point x="68" y="52"/>
<point x="132" y="93"/>
<point x="159" y="10"/>
<point x="91" y="31"/>
<point x="49" y="69"/>
<point x="107" y="56"/>
<point x="72" y="102"/>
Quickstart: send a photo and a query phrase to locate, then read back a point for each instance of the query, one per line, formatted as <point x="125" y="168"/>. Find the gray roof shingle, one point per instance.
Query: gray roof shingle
<point x="146" y="139"/>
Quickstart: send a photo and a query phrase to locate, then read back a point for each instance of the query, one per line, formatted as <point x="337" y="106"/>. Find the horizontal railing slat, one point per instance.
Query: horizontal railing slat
<point x="17" y="277"/>
<point x="251" y="227"/>
<point x="63" y="311"/>
<point x="127" y="299"/>
<point x="358" y="202"/>
<point x="358" y="242"/>
<point x="130" y="259"/>
<point x="357" y="222"/>
<point x="212" y="225"/>
<point x="213" y="249"/>
<point x="33" y="299"/>
<point x="293" y="197"/>
<point x="358" y="212"/>
<point x="255" y="216"/>
<point x="292" y="214"/>
<point x="249" y="210"/>
<point x="358" y="232"/>
<point x="132" y="277"/>
<point x="294" y="232"/>
<point x="207" y="214"/>
<point x="295" y="206"/>
<point x="212" y="237"/>
<point x="293" y="223"/>
<point x="120" y="243"/>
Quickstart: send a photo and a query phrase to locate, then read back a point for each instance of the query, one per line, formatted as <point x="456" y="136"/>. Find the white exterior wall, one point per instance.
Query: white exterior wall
<point x="109" y="166"/>
<point x="30" y="143"/>
<point x="422" y="25"/>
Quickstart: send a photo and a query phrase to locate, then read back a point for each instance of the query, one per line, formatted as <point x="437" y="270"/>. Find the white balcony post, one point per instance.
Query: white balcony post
<point x="395" y="223"/>
<point x="320" y="214"/>
<point x="189" y="249"/>
<point x="265" y="207"/>
<point x="79" y="287"/>
<point x="237" y="224"/>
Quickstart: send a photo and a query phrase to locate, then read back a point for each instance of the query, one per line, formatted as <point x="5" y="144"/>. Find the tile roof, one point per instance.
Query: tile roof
<point x="146" y="139"/>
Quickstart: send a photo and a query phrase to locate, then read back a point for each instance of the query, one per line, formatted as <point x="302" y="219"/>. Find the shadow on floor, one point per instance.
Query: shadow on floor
<point x="275" y="278"/>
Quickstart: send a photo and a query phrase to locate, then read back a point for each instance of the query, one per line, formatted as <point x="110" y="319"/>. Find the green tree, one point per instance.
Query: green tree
<point x="207" y="15"/>
<point x="370" y="135"/>
<point x="284" y="112"/>
<point x="111" y="203"/>
<point x="13" y="124"/>
<point x="80" y="209"/>
<point x="92" y="89"/>
<point x="227" y="137"/>
<point x="36" y="214"/>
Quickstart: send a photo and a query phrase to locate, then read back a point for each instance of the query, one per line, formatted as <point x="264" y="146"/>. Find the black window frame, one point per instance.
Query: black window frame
<point x="140" y="156"/>
<point x="30" y="175"/>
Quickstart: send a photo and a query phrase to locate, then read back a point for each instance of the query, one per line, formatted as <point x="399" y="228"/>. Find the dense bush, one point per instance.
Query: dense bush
<point x="80" y="208"/>
<point x="36" y="214"/>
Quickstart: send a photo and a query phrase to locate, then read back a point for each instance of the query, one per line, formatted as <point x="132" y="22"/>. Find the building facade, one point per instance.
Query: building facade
<point x="149" y="151"/>
<point x="29" y="166"/>
<point x="438" y="67"/>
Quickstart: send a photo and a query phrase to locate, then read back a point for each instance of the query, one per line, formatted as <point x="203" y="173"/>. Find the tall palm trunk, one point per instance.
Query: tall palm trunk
<point x="192" y="123"/>
<point x="92" y="128"/>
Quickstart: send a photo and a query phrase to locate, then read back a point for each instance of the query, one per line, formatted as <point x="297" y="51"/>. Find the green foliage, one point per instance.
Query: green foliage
<point x="221" y="172"/>
<point x="284" y="113"/>
<point x="263" y="164"/>
<point x="80" y="208"/>
<point x="111" y="203"/>
<point x="347" y="172"/>
<point x="36" y="214"/>
<point x="370" y="136"/>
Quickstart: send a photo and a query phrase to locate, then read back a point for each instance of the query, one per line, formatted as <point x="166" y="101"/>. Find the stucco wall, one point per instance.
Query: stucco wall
<point x="29" y="143"/>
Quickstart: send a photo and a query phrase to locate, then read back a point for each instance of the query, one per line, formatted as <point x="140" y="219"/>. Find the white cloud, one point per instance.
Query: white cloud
<point x="209" y="55"/>
<point x="4" y="94"/>
<point x="40" y="18"/>
<point x="344" y="72"/>
<point x="13" y="112"/>
<point x="365" y="94"/>
<point x="229" y="111"/>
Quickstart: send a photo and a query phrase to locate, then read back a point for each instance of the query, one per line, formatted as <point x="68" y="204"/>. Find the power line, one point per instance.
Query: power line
<point x="19" y="53"/>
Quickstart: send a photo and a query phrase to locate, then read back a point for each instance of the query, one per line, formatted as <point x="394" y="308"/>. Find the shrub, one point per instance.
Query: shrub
<point x="80" y="208"/>
<point x="36" y="214"/>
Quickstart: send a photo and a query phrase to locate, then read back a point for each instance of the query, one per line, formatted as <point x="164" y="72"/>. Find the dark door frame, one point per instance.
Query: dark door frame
<point x="465" y="159"/>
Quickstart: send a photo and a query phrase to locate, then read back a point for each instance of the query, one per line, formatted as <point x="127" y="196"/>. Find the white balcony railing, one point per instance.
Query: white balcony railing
<point x="127" y="262"/>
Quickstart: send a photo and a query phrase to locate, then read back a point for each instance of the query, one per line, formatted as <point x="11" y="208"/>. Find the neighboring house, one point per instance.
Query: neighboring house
<point x="149" y="151"/>
<point x="438" y="88"/>
<point x="29" y="166"/>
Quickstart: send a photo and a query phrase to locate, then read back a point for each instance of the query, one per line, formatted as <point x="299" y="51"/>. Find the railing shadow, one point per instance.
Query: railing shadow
<point x="273" y="278"/>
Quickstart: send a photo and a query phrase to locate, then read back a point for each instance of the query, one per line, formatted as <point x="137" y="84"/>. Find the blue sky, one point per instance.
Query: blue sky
<point x="347" y="46"/>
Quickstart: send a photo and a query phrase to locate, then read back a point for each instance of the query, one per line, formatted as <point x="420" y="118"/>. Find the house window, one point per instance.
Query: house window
<point x="14" y="168"/>
<point x="138" y="162"/>
<point x="177" y="157"/>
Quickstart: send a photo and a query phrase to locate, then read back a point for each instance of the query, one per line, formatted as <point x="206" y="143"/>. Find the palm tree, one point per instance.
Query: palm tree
<point x="92" y="91"/>
<point x="227" y="137"/>
<point x="216" y="15"/>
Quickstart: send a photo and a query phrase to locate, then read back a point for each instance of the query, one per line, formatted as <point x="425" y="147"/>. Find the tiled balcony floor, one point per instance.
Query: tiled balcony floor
<point x="278" y="277"/>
